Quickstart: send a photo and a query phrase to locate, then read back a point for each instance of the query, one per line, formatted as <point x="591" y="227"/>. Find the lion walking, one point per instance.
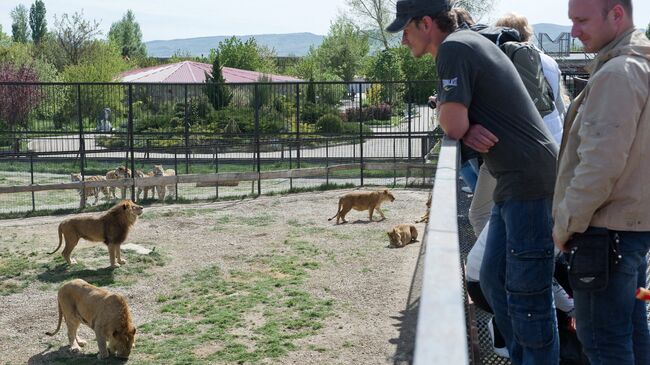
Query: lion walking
<point x="362" y="200"/>
<point x="111" y="227"/>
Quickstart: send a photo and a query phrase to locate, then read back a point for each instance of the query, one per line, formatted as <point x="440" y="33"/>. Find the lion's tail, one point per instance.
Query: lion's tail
<point x="60" y="240"/>
<point x="338" y="211"/>
<point x="58" y="326"/>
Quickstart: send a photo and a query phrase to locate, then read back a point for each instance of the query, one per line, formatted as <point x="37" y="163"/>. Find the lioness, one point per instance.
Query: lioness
<point x="159" y="171"/>
<point x="402" y="234"/>
<point x="105" y="312"/>
<point x="111" y="227"/>
<point x="141" y="175"/>
<point x="425" y="217"/>
<point x="120" y="172"/>
<point x="362" y="200"/>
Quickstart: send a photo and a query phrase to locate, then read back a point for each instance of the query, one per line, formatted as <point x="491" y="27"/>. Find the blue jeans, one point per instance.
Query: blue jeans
<point x="516" y="278"/>
<point x="612" y="325"/>
<point x="469" y="173"/>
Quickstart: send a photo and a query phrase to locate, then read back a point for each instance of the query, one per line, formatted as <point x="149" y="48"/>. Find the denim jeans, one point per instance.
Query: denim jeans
<point x="469" y="173"/>
<point x="516" y="278"/>
<point x="612" y="325"/>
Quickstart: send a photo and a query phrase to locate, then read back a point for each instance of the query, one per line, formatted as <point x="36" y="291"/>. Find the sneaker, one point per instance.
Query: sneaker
<point x="466" y="189"/>
<point x="498" y="343"/>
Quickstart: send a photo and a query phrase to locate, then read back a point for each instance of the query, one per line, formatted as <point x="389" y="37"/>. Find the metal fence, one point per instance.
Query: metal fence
<point x="50" y="130"/>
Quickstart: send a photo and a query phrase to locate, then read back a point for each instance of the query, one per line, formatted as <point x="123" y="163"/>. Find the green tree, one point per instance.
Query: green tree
<point x="4" y="38"/>
<point x="343" y="49"/>
<point x="74" y="34"/>
<point x="37" y="21"/>
<point x="216" y="89"/>
<point x="246" y="55"/>
<point x="19" y="28"/>
<point x="126" y="34"/>
<point x="647" y="31"/>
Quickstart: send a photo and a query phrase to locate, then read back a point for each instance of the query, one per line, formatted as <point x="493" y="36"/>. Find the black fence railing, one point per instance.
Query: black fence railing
<point x="50" y="130"/>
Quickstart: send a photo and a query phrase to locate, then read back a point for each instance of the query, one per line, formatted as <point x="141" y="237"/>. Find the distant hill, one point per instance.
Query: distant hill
<point x="291" y="44"/>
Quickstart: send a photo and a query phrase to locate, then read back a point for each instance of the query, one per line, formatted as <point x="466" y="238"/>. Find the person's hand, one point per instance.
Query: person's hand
<point x="479" y="138"/>
<point x="559" y="244"/>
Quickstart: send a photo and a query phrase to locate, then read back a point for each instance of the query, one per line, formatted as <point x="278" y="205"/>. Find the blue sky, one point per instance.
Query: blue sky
<point x="173" y="19"/>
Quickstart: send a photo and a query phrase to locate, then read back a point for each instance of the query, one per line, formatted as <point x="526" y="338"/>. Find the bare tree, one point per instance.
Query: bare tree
<point x="477" y="8"/>
<point x="73" y="33"/>
<point x="372" y="17"/>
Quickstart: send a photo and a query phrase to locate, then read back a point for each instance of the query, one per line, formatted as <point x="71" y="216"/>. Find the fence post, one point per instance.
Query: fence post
<point x="131" y="141"/>
<point x="298" y="125"/>
<point x="187" y="134"/>
<point x="175" y="173"/>
<point x="31" y="170"/>
<point x="82" y="147"/>
<point x="360" y="134"/>
<point x="216" y="167"/>
<point x="409" y="92"/>
<point x="327" y="161"/>
<point x="258" y="103"/>
<point x="394" y="161"/>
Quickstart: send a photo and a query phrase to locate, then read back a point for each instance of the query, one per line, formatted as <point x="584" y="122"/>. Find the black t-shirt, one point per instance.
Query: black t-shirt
<point x="476" y="73"/>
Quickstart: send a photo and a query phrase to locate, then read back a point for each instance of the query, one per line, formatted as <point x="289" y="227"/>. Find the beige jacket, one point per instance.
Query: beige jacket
<point x="603" y="175"/>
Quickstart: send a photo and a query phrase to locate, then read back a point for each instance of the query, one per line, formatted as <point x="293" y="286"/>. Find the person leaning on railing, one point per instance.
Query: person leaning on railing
<point x="603" y="179"/>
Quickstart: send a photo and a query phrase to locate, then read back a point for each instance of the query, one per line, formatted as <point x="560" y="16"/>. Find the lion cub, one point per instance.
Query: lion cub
<point x="362" y="200"/>
<point x="105" y="312"/>
<point x="111" y="227"/>
<point x="402" y="234"/>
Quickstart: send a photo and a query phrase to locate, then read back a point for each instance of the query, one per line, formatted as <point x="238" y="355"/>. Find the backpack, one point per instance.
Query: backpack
<point x="526" y="60"/>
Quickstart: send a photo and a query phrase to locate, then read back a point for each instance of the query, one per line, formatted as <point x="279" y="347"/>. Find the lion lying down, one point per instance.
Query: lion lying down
<point x="111" y="227"/>
<point x="362" y="200"/>
<point x="105" y="312"/>
<point x="402" y="234"/>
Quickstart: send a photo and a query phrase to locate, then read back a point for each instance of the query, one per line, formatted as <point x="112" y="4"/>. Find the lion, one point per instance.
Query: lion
<point x="402" y="234"/>
<point x="362" y="200"/>
<point x="425" y="217"/>
<point x="159" y="171"/>
<point x="146" y="189"/>
<point x="120" y="172"/>
<point x="111" y="227"/>
<point x="75" y="177"/>
<point x="105" y="312"/>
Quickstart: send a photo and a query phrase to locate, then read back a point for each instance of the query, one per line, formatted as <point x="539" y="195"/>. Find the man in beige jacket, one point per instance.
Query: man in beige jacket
<point x="603" y="177"/>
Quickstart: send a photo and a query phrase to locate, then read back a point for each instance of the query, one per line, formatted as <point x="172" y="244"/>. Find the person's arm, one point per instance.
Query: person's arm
<point x="453" y="119"/>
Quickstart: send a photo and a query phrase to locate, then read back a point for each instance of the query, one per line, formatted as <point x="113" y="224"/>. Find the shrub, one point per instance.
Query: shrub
<point x="371" y="112"/>
<point x="329" y="123"/>
<point x="310" y="112"/>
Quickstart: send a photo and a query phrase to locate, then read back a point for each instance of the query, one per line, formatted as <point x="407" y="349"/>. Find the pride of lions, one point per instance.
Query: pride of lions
<point x="122" y="172"/>
<point x="107" y="313"/>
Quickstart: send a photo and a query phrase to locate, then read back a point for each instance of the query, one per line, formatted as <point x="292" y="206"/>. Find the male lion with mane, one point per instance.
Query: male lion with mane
<point x="362" y="200"/>
<point x="111" y="227"/>
<point x="105" y="312"/>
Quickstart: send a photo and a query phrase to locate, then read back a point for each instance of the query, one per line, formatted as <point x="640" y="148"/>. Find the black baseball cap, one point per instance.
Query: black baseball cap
<point x="409" y="9"/>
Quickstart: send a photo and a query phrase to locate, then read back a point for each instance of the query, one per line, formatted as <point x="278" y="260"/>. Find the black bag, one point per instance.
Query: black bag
<point x="590" y="256"/>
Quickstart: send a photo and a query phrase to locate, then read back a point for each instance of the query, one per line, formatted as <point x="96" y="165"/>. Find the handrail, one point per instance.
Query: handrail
<point x="441" y="334"/>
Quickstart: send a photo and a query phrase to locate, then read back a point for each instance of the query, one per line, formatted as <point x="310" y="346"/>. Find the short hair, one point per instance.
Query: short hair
<point x="463" y="17"/>
<point x="517" y="22"/>
<point x="609" y="4"/>
<point x="446" y="21"/>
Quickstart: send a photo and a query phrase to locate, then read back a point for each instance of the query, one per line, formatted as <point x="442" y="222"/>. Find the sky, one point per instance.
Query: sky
<point x="174" y="19"/>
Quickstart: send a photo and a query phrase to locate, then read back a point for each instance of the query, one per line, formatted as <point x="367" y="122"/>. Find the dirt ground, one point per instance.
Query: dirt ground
<point x="368" y="283"/>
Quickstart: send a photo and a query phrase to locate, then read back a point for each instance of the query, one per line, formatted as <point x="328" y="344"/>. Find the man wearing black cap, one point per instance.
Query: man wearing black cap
<point x="483" y="101"/>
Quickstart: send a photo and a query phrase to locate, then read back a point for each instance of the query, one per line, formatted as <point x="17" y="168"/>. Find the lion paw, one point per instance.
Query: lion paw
<point x="73" y="262"/>
<point x="102" y="356"/>
<point x="115" y="265"/>
<point x="122" y="261"/>
<point x="81" y="342"/>
<point x="75" y="349"/>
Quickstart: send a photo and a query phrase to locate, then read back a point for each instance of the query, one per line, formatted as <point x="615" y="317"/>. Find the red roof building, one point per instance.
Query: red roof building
<point x="188" y="72"/>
